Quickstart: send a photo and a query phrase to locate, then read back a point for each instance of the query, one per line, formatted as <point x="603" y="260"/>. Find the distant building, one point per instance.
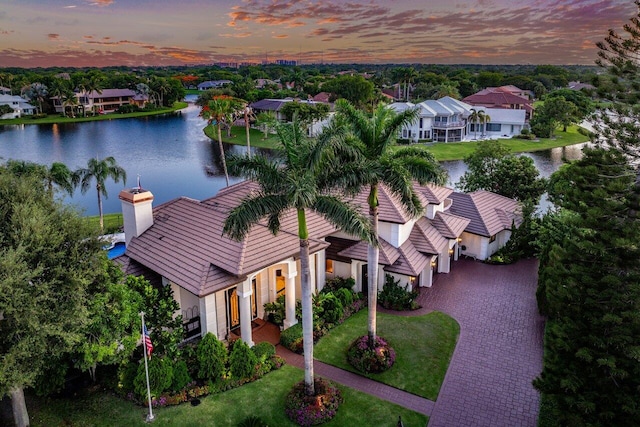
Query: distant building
<point x="509" y="97"/>
<point x="105" y="101"/>
<point x="447" y="120"/>
<point x="20" y="106"/>
<point x="285" y="62"/>
<point x="213" y="84"/>
<point x="580" y="86"/>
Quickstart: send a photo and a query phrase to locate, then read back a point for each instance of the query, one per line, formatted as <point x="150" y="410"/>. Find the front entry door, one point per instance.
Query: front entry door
<point x="365" y="280"/>
<point x="233" y="308"/>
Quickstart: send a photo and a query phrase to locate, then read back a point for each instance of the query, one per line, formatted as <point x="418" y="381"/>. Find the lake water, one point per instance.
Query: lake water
<point x="170" y="153"/>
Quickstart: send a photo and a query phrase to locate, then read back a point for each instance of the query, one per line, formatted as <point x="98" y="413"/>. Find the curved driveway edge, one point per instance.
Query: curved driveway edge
<point x="499" y="351"/>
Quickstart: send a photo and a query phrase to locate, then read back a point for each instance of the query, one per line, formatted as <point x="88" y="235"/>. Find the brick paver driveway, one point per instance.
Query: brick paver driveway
<point x="500" y="348"/>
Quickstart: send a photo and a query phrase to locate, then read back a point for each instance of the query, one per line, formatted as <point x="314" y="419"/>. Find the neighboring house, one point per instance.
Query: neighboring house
<point x="503" y="97"/>
<point x="581" y="86"/>
<point x="491" y="218"/>
<point x="222" y="285"/>
<point x="262" y="83"/>
<point x="447" y="120"/>
<point x="275" y="106"/>
<point x="322" y="97"/>
<point x="21" y="106"/>
<point x="213" y="84"/>
<point x="105" y="101"/>
<point x="5" y="90"/>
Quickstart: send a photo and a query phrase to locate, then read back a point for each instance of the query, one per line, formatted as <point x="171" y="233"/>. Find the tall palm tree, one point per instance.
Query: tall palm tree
<point x="87" y="85"/>
<point x="217" y="112"/>
<point x="248" y="116"/>
<point x="396" y="169"/>
<point x="267" y="120"/>
<point x="474" y="118"/>
<point x="99" y="170"/>
<point x="60" y="175"/>
<point x="300" y="180"/>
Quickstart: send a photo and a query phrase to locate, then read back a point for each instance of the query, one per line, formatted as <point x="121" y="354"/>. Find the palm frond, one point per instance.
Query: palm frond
<point x="345" y="217"/>
<point x="264" y="171"/>
<point x="422" y="165"/>
<point x="397" y="178"/>
<point x="249" y="212"/>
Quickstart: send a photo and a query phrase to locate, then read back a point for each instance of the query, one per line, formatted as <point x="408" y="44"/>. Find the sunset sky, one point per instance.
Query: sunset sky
<point x="98" y="33"/>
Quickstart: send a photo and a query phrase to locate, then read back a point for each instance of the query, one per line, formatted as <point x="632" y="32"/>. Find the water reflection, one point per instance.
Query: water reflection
<point x="171" y="154"/>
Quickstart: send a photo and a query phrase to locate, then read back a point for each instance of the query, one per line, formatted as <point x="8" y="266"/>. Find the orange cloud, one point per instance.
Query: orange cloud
<point x="280" y="36"/>
<point x="53" y="36"/>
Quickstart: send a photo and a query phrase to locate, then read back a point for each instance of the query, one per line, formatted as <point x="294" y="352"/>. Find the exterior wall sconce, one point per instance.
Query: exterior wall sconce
<point x="459" y="239"/>
<point x="450" y="251"/>
<point x="412" y="279"/>
<point x="433" y="264"/>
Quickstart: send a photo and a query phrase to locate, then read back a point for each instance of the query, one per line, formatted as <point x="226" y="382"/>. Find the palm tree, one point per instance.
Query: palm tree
<point x="376" y="134"/>
<point x="474" y="117"/>
<point x="483" y="119"/>
<point x="88" y="85"/>
<point x="267" y="120"/>
<point x="99" y="170"/>
<point x="60" y="175"/>
<point x="248" y="116"/>
<point x="69" y="99"/>
<point x="300" y="180"/>
<point x="217" y="112"/>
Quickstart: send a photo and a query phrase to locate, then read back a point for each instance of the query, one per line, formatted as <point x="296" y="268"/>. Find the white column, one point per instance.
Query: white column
<point x="208" y="315"/>
<point x="321" y="269"/>
<point x="456" y="251"/>
<point x="245" y="290"/>
<point x="176" y="296"/>
<point x="290" y="295"/>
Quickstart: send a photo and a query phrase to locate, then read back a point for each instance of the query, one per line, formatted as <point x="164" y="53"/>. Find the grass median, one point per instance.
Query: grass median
<point x="423" y="344"/>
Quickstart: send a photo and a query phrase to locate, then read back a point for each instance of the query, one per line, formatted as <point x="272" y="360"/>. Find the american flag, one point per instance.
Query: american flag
<point x="147" y="341"/>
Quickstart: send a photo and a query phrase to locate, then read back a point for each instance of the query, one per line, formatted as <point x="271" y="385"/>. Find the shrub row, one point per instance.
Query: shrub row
<point x="215" y="368"/>
<point x="335" y="303"/>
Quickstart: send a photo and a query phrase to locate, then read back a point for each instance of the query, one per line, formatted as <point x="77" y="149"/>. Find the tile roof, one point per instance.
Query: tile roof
<point x="390" y="208"/>
<point x="495" y="98"/>
<point x="388" y="253"/>
<point x="427" y="239"/>
<point x="186" y="245"/>
<point x="434" y="194"/>
<point x="108" y="93"/>
<point x="489" y="213"/>
<point x="449" y="225"/>
<point x="410" y="262"/>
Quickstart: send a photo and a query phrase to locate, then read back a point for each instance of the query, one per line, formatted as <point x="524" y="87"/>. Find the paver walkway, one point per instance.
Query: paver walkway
<point x="499" y="351"/>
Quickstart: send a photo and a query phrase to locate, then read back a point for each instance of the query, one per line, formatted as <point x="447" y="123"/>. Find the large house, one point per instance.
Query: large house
<point x="20" y="106"/>
<point x="275" y="106"/>
<point x="213" y="84"/>
<point x="222" y="285"/>
<point x="503" y="97"/>
<point x="104" y="101"/>
<point x="448" y="120"/>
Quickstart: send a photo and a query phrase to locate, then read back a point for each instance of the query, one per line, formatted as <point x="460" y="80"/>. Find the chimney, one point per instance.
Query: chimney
<point x="137" y="211"/>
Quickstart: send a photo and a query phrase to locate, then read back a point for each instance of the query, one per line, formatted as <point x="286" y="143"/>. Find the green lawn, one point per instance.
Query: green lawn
<point x="264" y="398"/>
<point x="112" y="222"/>
<point x="459" y="150"/>
<point x="57" y="118"/>
<point x="423" y="344"/>
<point x="239" y="137"/>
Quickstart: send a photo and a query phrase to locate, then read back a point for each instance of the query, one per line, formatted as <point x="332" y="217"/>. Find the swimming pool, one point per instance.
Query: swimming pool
<point x="117" y="250"/>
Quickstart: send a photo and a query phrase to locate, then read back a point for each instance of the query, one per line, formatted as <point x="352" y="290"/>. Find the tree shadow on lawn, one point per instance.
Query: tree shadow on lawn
<point x="423" y="344"/>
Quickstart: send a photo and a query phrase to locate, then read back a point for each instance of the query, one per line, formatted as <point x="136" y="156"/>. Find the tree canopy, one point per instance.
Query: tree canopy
<point x="492" y="167"/>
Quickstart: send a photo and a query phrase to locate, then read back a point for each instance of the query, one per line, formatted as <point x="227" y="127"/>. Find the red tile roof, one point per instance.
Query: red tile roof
<point x="427" y="239"/>
<point x="186" y="245"/>
<point x="489" y="213"/>
<point x="410" y="262"/>
<point x="449" y="225"/>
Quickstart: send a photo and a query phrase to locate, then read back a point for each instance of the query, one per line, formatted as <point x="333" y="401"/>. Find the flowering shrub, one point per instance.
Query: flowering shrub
<point x="313" y="410"/>
<point x="371" y="359"/>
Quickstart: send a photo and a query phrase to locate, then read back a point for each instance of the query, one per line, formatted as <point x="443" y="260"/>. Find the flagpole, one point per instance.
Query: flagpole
<point x="150" y="416"/>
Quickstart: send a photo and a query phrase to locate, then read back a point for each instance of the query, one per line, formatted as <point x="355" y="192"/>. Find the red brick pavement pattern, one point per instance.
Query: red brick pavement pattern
<point x="499" y="351"/>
